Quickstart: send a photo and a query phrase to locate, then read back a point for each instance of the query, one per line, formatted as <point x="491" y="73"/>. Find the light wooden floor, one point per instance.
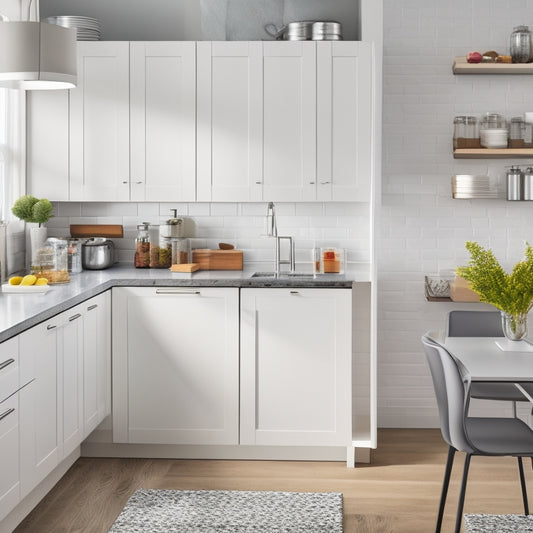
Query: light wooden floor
<point x="398" y="492"/>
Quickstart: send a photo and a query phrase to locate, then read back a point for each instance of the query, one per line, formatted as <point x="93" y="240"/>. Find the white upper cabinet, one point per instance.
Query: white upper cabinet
<point x="47" y="170"/>
<point x="224" y="121"/>
<point x="99" y="123"/>
<point x="163" y="121"/>
<point x="289" y="110"/>
<point x="230" y="121"/>
<point x="344" y="121"/>
<point x="284" y="121"/>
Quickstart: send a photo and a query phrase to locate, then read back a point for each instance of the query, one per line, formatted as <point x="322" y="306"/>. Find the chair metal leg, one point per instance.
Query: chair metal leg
<point x="523" y="485"/>
<point x="461" y="503"/>
<point x="445" y="484"/>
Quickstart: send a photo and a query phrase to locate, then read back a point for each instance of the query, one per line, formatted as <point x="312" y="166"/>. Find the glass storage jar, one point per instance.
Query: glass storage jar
<point x="520" y="44"/>
<point x="142" y="246"/>
<point x="51" y="261"/>
<point x="181" y="251"/>
<point x="516" y="132"/>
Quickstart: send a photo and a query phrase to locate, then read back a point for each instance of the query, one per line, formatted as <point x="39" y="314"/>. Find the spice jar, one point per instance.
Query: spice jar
<point x="459" y="132"/>
<point x="142" y="246"/>
<point x="520" y="44"/>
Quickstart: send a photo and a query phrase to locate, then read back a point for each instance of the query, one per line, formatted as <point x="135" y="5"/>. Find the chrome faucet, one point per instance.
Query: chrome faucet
<point x="272" y="231"/>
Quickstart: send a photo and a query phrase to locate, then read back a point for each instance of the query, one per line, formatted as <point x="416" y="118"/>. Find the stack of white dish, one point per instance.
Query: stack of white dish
<point x="466" y="186"/>
<point x="87" y="28"/>
<point x="493" y="137"/>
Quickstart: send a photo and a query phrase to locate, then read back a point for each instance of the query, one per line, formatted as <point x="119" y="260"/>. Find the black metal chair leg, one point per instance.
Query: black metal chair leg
<point x="445" y="484"/>
<point x="461" y="503"/>
<point x="523" y="485"/>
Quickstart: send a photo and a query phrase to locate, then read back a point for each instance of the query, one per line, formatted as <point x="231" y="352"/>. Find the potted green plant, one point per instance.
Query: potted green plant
<point x="511" y="293"/>
<point x="33" y="210"/>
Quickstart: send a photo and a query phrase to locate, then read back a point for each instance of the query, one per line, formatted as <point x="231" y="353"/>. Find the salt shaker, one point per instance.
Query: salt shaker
<point x="521" y="44"/>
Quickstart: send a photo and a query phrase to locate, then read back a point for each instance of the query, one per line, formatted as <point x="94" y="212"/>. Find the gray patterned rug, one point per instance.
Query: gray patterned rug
<point x="213" y="511"/>
<point x="498" y="523"/>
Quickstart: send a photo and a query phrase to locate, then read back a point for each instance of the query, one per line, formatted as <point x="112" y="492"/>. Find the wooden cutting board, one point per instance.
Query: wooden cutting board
<point x="97" y="230"/>
<point x="217" y="259"/>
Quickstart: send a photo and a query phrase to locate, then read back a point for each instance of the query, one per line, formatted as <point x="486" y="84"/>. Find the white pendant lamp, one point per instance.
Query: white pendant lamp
<point x="37" y="55"/>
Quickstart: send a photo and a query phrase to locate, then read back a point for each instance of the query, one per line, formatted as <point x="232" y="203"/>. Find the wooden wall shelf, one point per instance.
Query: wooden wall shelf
<point x="492" y="153"/>
<point x="460" y="66"/>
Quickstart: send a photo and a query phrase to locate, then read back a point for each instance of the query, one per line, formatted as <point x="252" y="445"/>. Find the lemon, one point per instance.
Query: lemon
<point x="41" y="281"/>
<point x="30" y="279"/>
<point x="15" y="280"/>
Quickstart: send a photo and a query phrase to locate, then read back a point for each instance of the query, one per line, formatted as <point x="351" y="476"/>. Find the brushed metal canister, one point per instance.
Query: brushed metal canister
<point x="515" y="180"/>
<point x="528" y="184"/>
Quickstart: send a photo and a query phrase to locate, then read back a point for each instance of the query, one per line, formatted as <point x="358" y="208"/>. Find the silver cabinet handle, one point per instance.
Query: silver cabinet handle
<point x="177" y="291"/>
<point x="125" y="182"/>
<point x="74" y="317"/>
<point x="295" y="292"/>
<point x="258" y="182"/>
<point x="6" y="363"/>
<point x="91" y="307"/>
<point x="138" y="182"/>
<point x="325" y="182"/>
<point x="311" y="183"/>
<point x="50" y="326"/>
<point x="7" y="413"/>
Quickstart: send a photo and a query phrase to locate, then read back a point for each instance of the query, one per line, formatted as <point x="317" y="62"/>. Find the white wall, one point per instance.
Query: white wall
<point x="422" y="229"/>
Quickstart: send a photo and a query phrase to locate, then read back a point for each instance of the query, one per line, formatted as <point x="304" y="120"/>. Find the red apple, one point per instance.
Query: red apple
<point x="474" y="57"/>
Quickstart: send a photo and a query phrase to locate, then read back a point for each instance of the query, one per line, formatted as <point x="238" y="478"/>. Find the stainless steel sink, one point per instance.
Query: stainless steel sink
<point x="282" y="275"/>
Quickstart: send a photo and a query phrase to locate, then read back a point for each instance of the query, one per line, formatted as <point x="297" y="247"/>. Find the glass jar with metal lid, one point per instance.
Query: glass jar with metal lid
<point x="142" y="246"/>
<point x="521" y="44"/>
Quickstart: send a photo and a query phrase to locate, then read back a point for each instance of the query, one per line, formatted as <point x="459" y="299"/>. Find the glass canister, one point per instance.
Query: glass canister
<point x="74" y="255"/>
<point x="516" y="132"/>
<point x="51" y="261"/>
<point x="520" y="48"/>
<point x="459" y="132"/>
<point x="332" y="261"/>
<point x="142" y="246"/>
<point x="181" y="251"/>
<point x="160" y="252"/>
<point x="471" y="132"/>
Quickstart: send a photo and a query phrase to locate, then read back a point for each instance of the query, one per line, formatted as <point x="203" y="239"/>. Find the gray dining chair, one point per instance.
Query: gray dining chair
<point x="472" y="435"/>
<point x="485" y="324"/>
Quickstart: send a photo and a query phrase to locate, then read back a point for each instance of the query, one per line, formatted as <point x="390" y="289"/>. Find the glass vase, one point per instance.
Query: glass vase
<point x="514" y="326"/>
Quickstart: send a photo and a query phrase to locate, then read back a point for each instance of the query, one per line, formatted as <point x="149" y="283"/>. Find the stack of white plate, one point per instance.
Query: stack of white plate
<point x="493" y="137"/>
<point x="87" y="28"/>
<point x="468" y="186"/>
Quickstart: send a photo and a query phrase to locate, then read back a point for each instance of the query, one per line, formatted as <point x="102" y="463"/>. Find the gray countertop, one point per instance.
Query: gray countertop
<point x="19" y="312"/>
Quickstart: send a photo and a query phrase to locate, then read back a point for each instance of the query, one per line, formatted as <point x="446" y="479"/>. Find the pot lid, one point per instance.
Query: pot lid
<point x="97" y="241"/>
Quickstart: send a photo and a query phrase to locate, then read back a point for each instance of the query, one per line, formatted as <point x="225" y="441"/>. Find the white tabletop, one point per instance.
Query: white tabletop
<point x="485" y="361"/>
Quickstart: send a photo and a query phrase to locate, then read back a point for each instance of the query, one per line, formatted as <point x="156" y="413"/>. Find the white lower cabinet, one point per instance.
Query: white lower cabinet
<point x="175" y="365"/>
<point x="9" y="427"/>
<point x="295" y="378"/>
<point x="65" y="361"/>
<point x="96" y="361"/>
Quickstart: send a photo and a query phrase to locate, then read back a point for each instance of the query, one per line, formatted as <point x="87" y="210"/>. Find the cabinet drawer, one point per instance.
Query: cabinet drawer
<point x="9" y="455"/>
<point x="9" y="368"/>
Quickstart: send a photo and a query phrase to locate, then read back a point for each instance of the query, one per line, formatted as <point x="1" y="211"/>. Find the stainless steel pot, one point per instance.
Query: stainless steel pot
<point x="97" y="253"/>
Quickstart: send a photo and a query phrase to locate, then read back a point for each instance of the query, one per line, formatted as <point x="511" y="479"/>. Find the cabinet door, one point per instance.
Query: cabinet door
<point x="163" y="121"/>
<point x="230" y="121"/>
<point x="289" y="111"/>
<point x="96" y="361"/>
<point x="344" y="121"/>
<point x="9" y="455"/>
<point x="47" y="149"/>
<point x="40" y="445"/>
<point x="71" y="364"/>
<point x="176" y="365"/>
<point x="296" y="367"/>
<point x="99" y="123"/>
